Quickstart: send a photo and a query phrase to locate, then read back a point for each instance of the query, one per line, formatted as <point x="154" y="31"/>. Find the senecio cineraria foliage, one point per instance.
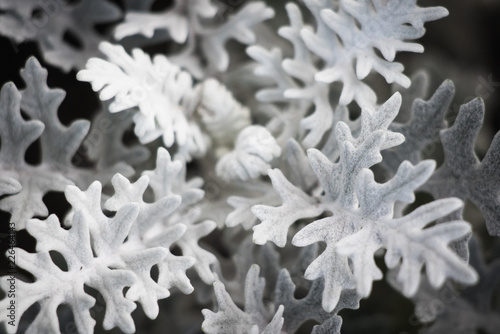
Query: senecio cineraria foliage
<point x="235" y="166"/>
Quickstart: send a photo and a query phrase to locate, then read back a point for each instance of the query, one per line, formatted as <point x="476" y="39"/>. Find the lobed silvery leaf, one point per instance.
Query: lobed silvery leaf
<point x="363" y="214"/>
<point x="275" y="221"/>
<point x="156" y="87"/>
<point x="156" y="220"/>
<point x="54" y="286"/>
<point x="106" y="254"/>
<point x="17" y="135"/>
<point x="192" y="21"/>
<point x="242" y="214"/>
<point x="345" y="36"/>
<point x="354" y="57"/>
<point x="336" y="179"/>
<point x="419" y="89"/>
<point x="422" y="128"/>
<point x="169" y="104"/>
<point x="27" y="183"/>
<point x="239" y="27"/>
<point x="284" y="72"/>
<point x="462" y="174"/>
<point x="60" y="144"/>
<point x="297" y="311"/>
<point x="169" y="178"/>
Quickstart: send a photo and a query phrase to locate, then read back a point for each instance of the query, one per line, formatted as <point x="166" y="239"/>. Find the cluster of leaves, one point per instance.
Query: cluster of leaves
<point x="264" y="198"/>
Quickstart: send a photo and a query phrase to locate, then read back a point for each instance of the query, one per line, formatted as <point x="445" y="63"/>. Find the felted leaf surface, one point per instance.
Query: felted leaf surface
<point x="58" y="145"/>
<point x="462" y="174"/>
<point x="275" y="221"/>
<point x="254" y="149"/>
<point x="138" y="254"/>
<point x="106" y="254"/>
<point x="362" y="216"/>
<point x="423" y="127"/>
<point x="238" y="27"/>
<point x="27" y="183"/>
<point x="156" y="220"/>
<point x="345" y="36"/>
<point x="358" y="236"/>
<point x="169" y="105"/>
<point x="354" y="58"/>
<point x="169" y="178"/>
<point x="242" y="214"/>
<point x="284" y="72"/>
<point x="53" y="287"/>
<point x="297" y="311"/>
<point x="156" y="87"/>
<point x="336" y="179"/>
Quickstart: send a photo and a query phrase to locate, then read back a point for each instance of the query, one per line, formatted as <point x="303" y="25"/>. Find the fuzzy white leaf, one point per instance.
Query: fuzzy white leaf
<point x="223" y="117"/>
<point x="27" y="183"/>
<point x="254" y="149"/>
<point x="276" y="220"/>
<point x="159" y="89"/>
